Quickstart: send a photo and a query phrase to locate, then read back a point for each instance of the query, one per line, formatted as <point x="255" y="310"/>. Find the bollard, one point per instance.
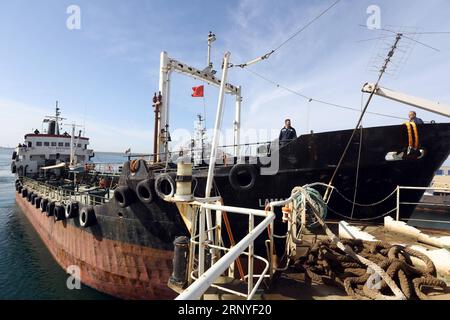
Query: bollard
<point x="180" y="262"/>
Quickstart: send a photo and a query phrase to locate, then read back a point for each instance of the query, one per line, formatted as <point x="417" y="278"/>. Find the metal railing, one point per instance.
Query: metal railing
<point x="65" y="195"/>
<point x="204" y="279"/>
<point x="200" y="239"/>
<point x="399" y="203"/>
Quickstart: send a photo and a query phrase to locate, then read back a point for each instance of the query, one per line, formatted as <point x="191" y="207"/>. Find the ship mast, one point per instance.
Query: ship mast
<point x="207" y="75"/>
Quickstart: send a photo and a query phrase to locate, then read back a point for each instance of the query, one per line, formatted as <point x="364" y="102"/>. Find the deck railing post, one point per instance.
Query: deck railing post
<point x="398" y="203"/>
<point x="251" y="223"/>
<point x="201" y="245"/>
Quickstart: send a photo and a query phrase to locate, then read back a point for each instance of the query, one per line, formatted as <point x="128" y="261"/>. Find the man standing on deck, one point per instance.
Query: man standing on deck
<point x="413" y="118"/>
<point x="287" y="134"/>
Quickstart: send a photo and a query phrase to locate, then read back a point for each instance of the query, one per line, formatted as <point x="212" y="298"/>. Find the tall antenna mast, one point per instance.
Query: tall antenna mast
<point x="382" y="72"/>
<point x="211" y="39"/>
<point x="57" y="114"/>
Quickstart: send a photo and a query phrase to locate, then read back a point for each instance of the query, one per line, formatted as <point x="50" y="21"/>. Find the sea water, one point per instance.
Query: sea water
<point x="27" y="269"/>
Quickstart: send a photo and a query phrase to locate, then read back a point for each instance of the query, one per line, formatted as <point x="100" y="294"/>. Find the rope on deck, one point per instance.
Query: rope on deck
<point x="365" y="270"/>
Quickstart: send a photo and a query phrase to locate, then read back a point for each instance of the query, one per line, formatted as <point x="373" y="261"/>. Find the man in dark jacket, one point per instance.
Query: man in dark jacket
<point x="413" y="118"/>
<point x="287" y="134"/>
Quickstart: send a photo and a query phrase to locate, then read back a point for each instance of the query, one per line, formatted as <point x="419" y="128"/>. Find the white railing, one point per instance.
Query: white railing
<point x="63" y="195"/>
<point x="399" y="203"/>
<point x="205" y="279"/>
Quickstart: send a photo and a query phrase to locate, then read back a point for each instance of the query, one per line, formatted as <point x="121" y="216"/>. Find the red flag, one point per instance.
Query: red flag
<point x="198" y="91"/>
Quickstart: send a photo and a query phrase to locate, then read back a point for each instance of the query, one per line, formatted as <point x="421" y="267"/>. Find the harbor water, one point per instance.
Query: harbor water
<point x="27" y="269"/>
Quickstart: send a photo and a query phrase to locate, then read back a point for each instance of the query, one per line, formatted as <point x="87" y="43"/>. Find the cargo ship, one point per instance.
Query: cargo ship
<point x="118" y="227"/>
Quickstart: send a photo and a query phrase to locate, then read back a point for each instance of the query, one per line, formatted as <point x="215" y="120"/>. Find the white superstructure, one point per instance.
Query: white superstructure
<point x="50" y="151"/>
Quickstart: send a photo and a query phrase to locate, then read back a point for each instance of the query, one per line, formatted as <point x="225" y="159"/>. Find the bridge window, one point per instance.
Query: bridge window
<point x="30" y="144"/>
<point x="53" y="144"/>
<point x="440" y="172"/>
<point x="67" y="145"/>
<point x="46" y="144"/>
<point x="60" y="144"/>
<point x="39" y="144"/>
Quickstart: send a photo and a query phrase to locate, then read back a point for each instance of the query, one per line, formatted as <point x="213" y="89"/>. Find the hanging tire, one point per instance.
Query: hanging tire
<point x="144" y="191"/>
<point x="33" y="198"/>
<point x="24" y="193"/>
<point x="50" y="208"/>
<point x="29" y="196"/>
<point x="87" y="217"/>
<point x="72" y="210"/>
<point x="242" y="177"/>
<point x="19" y="188"/>
<point x="59" y="213"/>
<point x="44" y="204"/>
<point x="13" y="168"/>
<point x="164" y="186"/>
<point x="124" y="196"/>
<point x="37" y="202"/>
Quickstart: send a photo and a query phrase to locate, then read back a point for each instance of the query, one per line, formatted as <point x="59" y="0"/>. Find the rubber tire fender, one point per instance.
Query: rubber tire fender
<point x="159" y="180"/>
<point x="234" y="177"/>
<point x="72" y="210"/>
<point x="123" y="196"/>
<point x="50" y="208"/>
<point x="144" y="191"/>
<point x="59" y="213"/>
<point x="87" y="217"/>
<point x="44" y="204"/>
<point x="37" y="202"/>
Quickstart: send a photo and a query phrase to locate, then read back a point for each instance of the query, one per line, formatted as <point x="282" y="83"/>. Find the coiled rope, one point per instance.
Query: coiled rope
<point x="355" y="264"/>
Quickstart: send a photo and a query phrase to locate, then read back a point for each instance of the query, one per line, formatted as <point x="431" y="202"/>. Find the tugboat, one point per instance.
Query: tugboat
<point x="122" y="239"/>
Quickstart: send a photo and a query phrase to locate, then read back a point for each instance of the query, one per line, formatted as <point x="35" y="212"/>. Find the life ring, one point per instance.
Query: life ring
<point x="165" y="186"/>
<point x="144" y="191"/>
<point x="87" y="217"/>
<point x="37" y="202"/>
<point x="44" y="204"/>
<point x="242" y="177"/>
<point x="123" y="196"/>
<point x="72" y="210"/>
<point x="59" y="213"/>
<point x="50" y="208"/>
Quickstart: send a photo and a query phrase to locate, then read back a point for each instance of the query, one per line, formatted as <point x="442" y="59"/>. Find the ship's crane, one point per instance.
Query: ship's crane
<point x="424" y="104"/>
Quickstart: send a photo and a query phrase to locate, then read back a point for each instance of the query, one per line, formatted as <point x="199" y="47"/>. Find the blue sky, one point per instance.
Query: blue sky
<point x="105" y="74"/>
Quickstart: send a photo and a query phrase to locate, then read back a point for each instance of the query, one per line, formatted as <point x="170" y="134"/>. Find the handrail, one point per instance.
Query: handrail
<point x="65" y="195"/>
<point x="399" y="188"/>
<point x="199" y="287"/>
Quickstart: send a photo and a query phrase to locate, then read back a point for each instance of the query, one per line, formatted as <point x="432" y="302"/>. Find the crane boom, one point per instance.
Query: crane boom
<point x="432" y="106"/>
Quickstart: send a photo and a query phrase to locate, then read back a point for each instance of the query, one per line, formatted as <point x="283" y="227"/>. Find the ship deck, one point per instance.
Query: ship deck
<point x="294" y="285"/>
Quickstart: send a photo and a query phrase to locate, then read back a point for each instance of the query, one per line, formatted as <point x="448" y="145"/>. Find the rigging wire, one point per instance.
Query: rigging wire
<point x="310" y="99"/>
<point x="404" y="35"/>
<point x="268" y="54"/>
<point x="382" y="71"/>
